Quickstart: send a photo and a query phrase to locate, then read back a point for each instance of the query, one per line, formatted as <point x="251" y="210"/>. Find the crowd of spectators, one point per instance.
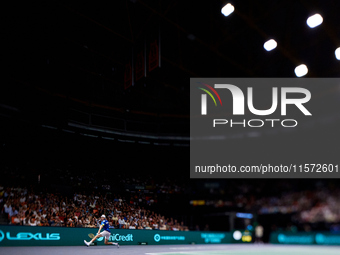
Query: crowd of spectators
<point x="320" y="205"/>
<point x="24" y="207"/>
<point x="308" y="202"/>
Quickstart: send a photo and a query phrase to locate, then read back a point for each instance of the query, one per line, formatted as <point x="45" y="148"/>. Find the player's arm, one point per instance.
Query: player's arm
<point x="100" y="228"/>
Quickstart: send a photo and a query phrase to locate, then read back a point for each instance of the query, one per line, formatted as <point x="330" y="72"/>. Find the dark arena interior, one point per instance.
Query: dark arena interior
<point x="95" y="120"/>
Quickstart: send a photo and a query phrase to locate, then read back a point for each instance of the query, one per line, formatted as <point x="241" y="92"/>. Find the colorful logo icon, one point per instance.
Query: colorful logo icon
<point x="157" y="237"/>
<point x="204" y="97"/>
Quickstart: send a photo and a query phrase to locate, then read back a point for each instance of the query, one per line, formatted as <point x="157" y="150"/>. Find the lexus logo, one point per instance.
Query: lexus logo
<point x="2" y="235"/>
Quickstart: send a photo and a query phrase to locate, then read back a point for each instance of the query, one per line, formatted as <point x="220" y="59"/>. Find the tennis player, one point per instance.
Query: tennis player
<point x="106" y="233"/>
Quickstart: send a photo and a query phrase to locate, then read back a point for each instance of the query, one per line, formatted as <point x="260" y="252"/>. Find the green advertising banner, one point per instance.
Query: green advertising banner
<point x="317" y="238"/>
<point x="54" y="236"/>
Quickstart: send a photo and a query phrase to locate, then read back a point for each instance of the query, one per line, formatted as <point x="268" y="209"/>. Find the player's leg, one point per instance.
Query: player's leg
<point x="109" y="243"/>
<point x="93" y="239"/>
<point x="107" y="237"/>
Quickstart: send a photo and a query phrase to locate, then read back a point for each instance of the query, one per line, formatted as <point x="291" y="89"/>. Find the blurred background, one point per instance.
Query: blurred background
<point x="94" y="112"/>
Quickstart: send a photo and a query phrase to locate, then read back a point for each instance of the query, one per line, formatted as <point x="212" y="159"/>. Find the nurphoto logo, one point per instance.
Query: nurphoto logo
<point x="238" y="107"/>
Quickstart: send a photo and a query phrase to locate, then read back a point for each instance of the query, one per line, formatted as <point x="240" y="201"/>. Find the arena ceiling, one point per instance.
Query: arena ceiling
<point x="64" y="58"/>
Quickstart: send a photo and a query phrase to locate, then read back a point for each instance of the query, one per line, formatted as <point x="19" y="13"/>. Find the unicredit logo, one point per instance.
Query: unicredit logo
<point x="124" y="238"/>
<point x="119" y="238"/>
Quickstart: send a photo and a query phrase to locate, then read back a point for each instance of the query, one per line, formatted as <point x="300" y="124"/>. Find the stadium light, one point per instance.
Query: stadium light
<point x="227" y="9"/>
<point x="315" y="20"/>
<point x="270" y="45"/>
<point x="301" y="70"/>
<point x="337" y="53"/>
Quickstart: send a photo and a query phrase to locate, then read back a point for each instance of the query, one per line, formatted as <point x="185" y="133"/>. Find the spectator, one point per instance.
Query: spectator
<point x="15" y="220"/>
<point x="121" y="222"/>
<point x="162" y="227"/>
<point x="115" y="219"/>
<point x="12" y="212"/>
<point x="7" y="208"/>
<point x="258" y="234"/>
<point x="148" y="226"/>
<point x="32" y="221"/>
